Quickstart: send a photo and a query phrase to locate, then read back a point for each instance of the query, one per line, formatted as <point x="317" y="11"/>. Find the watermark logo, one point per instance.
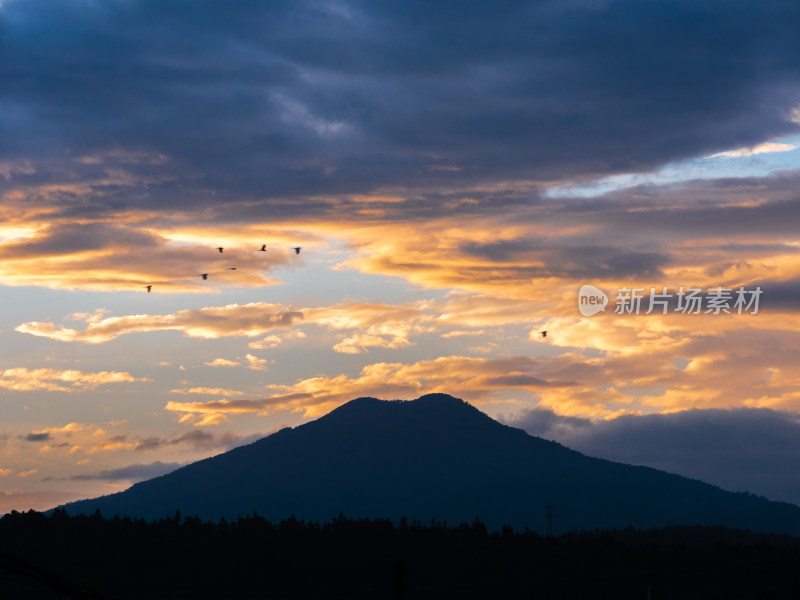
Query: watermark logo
<point x="688" y="301"/>
<point x="591" y="300"/>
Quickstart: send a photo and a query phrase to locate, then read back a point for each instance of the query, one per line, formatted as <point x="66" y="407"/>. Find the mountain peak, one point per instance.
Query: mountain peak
<point x="426" y="406"/>
<point x="426" y="399"/>
<point x="441" y="399"/>
<point x="441" y="412"/>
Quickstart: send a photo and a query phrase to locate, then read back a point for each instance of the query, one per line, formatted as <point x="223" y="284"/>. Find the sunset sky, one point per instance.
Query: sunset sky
<point x="454" y="172"/>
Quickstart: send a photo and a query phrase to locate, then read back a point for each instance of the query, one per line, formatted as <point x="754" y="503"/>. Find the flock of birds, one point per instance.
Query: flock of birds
<point x="264" y="249"/>
<point x="221" y="251"/>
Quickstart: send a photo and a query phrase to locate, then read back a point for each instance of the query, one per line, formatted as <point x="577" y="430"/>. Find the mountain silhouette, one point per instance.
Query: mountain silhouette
<point x="434" y="457"/>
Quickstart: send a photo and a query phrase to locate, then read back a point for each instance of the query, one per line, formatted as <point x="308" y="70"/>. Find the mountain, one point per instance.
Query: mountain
<point x="434" y="457"/>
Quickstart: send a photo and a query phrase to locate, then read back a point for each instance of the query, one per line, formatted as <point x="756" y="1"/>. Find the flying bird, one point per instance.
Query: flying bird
<point x="296" y="250"/>
<point x="220" y="250"/>
<point x="204" y="276"/>
<point x="231" y="268"/>
<point x="149" y="287"/>
<point x="263" y="248"/>
<point x="544" y="334"/>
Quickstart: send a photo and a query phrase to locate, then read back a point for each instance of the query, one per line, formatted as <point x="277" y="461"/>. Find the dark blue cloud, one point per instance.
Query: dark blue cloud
<point x="754" y="450"/>
<point x="199" y="440"/>
<point x="253" y="99"/>
<point x="576" y="261"/>
<point x="137" y="472"/>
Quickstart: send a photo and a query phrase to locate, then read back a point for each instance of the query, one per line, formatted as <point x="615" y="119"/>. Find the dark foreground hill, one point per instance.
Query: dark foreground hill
<point x="435" y="457"/>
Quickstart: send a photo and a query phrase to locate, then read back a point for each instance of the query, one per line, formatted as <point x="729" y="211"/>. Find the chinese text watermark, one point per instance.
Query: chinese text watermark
<point x="690" y="301"/>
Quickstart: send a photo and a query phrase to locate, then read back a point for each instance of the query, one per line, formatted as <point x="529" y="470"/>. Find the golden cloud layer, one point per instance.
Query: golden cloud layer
<point x="23" y="379"/>
<point x="246" y="320"/>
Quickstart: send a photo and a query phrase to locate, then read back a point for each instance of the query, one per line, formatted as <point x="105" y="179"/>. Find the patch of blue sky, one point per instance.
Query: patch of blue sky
<point x="319" y="281"/>
<point x="761" y="160"/>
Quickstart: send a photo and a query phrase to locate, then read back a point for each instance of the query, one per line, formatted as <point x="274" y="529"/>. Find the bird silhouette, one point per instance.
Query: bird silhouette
<point x="231" y="268"/>
<point x="263" y="248"/>
<point x="296" y="250"/>
<point x="204" y="276"/>
<point x="220" y="250"/>
<point x="544" y="334"/>
<point x="149" y="287"/>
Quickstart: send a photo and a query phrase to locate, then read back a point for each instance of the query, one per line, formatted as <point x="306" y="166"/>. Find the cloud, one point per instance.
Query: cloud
<point x="23" y="379"/>
<point x="392" y="337"/>
<point x="201" y="440"/>
<point x="255" y="363"/>
<point x="28" y="473"/>
<point x="222" y="362"/>
<point x="9" y="169"/>
<point x="68" y="429"/>
<point x="765" y="148"/>
<point x="246" y="320"/>
<point x="755" y="450"/>
<point x="112" y="444"/>
<point x="148" y="443"/>
<point x="198" y="438"/>
<point x="91" y="439"/>
<point x="347" y="111"/>
<point x="384" y="325"/>
<point x="453" y="334"/>
<point x="207" y="391"/>
<point x="211" y="418"/>
<point x="133" y="473"/>
<point x="273" y="341"/>
<point x="126" y="256"/>
<point x="46" y="448"/>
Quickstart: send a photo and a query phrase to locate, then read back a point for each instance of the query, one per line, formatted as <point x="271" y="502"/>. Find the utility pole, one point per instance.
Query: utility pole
<point x="549" y="515"/>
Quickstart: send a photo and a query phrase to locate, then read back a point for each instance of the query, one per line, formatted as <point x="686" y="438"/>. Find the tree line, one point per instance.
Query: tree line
<point x="251" y="557"/>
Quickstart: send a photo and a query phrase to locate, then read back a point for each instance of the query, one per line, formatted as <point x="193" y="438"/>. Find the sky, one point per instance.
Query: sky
<point x="453" y="172"/>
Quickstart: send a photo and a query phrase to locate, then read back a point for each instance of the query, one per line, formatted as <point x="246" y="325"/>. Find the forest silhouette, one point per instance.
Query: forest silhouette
<point x="250" y="557"/>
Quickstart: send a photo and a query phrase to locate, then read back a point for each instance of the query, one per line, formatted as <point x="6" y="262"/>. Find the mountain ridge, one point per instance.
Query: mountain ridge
<point x="434" y="457"/>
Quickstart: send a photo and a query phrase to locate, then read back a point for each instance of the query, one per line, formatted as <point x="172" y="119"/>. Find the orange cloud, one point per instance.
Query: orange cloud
<point x="222" y="362"/>
<point x="273" y="341"/>
<point x="127" y="255"/>
<point x="111" y="444"/>
<point x="23" y="379"/>
<point x="385" y="336"/>
<point x="453" y="334"/>
<point x="255" y="363"/>
<point x="246" y="320"/>
<point x="207" y="391"/>
<point x="68" y="428"/>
